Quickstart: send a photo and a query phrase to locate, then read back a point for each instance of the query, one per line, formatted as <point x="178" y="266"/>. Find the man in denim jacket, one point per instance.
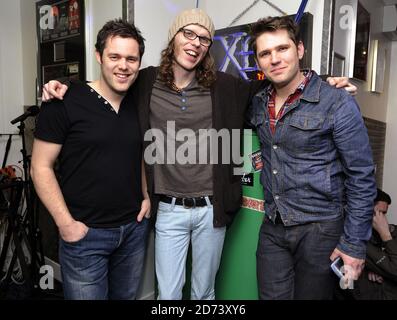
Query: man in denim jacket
<point x="317" y="175"/>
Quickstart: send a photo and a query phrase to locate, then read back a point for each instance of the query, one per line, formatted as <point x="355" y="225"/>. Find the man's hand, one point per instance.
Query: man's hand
<point x="73" y="231"/>
<point x="343" y="82"/>
<point x="381" y="225"/>
<point x="53" y="89"/>
<point x="145" y="210"/>
<point x="352" y="266"/>
<point x="372" y="276"/>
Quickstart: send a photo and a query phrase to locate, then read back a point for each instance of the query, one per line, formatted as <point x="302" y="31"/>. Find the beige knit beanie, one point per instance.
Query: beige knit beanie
<point x="191" y="16"/>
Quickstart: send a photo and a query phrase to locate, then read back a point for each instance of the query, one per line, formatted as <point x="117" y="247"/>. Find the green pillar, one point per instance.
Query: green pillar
<point x="237" y="274"/>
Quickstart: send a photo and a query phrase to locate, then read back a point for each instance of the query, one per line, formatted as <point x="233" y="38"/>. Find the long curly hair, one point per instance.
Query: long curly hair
<point x="205" y="72"/>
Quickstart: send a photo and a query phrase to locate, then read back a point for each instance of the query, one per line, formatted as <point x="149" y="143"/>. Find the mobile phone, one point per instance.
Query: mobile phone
<point x="336" y="267"/>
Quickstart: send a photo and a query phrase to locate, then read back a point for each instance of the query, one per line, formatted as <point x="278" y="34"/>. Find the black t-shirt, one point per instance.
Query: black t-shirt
<point x="100" y="160"/>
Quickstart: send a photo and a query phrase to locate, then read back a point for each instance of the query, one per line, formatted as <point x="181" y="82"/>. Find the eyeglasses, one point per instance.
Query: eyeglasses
<point x="189" y="34"/>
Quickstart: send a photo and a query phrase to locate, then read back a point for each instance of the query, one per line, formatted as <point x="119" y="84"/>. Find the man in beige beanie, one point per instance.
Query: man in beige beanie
<point x="191" y="16"/>
<point x="194" y="202"/>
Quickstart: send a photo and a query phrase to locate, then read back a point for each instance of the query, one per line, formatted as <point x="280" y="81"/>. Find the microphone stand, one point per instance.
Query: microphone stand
<point x="30" y="219"/>
<point x="7" y="150"/>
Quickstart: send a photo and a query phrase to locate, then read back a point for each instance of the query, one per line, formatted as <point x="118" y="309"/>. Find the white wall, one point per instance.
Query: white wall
<point x="11" y="67"/>
<point x="375" y="105"/>
<point x="17" y="69"/>
<point x="383" y="106"/>
<point x="390" y="166"/>
<point x="343" y="40"/>
<point x="153" y="18"/>
<point x="98" y="12"/>
<point x="29" y="50"/>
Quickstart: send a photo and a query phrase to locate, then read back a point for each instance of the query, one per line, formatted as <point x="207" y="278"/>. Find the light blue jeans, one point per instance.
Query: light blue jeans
<point x="175" y="228"/>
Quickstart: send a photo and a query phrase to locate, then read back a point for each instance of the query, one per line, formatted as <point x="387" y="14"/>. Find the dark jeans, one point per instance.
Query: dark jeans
<point x="106" y="264"/>
<point x="294" y="262"/>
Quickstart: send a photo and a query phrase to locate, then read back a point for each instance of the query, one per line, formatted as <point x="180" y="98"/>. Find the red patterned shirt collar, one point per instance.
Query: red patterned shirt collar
<point x="271" y="93"/>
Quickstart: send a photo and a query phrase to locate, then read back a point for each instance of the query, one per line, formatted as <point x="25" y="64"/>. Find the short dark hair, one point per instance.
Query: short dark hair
<point x="119" y="28"/>
<point x="272" y="24"/>
<point x="382" y="196"/>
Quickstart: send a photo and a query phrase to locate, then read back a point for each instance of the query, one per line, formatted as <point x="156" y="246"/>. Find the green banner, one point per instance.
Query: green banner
<point x="237" y="274"/>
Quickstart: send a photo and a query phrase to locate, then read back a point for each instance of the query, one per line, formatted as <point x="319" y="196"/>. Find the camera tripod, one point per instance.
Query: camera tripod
<point x="22" y="228"/>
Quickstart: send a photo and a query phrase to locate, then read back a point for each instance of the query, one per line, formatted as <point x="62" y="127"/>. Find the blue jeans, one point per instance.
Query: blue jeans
<point x="175" y="228"/>
<point x="106" y="264"/>
<point x="294" y="262"/>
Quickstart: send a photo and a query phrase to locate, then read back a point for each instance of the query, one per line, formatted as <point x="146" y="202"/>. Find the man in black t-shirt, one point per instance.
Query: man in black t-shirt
<point x="101" y="200"/>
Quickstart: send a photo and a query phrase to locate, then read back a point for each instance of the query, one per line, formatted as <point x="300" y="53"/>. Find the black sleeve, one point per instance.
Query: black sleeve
<point x="64" y="80"/>
<point x="52" y="123"/>
<point x="255" y="87"/>
<point x="324" y="77"/>
<point x="383" y="262"/>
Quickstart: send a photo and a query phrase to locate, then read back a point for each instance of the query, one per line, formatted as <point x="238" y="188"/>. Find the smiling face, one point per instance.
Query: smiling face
<point x="278" y="57"/>
<point x="120" y="63"/>
<point x="188" y="54"/>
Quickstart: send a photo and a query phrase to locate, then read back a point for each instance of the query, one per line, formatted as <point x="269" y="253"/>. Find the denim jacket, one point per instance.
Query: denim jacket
<point x="318" y="165"/>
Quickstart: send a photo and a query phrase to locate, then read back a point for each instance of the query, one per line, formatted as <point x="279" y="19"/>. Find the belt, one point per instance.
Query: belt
<point x="186" y="202"/>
